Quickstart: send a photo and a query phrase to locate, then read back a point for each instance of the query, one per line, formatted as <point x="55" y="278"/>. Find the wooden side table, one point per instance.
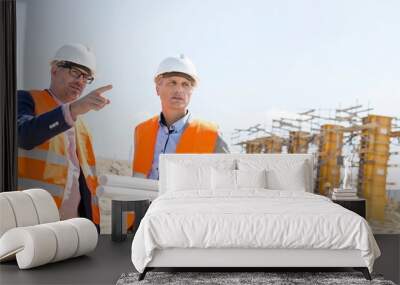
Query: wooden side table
<point x="357" y="205"/>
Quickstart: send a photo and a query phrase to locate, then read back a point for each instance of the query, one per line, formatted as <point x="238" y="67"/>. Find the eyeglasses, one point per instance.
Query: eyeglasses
<point x="75" y="72"/>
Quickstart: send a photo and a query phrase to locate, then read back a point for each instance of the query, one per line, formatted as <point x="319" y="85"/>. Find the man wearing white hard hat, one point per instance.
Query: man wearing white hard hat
<point x="174" y="130"/>
<point x="55" y="147"/>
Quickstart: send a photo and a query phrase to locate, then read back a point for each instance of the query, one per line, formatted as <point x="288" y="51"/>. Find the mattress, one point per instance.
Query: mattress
<point x="250" y="219"/>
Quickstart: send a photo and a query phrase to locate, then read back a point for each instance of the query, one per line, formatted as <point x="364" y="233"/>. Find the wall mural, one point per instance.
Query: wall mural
<point x="265" y="78"/>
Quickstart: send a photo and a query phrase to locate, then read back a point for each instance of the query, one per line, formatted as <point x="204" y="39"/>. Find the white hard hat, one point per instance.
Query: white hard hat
<point x="77" y="53"/>
<point x="181" y="64"/>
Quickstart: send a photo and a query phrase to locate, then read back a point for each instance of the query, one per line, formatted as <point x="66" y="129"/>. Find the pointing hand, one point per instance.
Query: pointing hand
<point x="92" y="101"/>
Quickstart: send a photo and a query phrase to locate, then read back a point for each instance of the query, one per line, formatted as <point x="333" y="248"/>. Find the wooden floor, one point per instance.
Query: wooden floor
<point x="111" y="259"/>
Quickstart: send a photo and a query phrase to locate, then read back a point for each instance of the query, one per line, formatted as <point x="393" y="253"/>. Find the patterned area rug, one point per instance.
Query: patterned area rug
<point x="229" y="278"/>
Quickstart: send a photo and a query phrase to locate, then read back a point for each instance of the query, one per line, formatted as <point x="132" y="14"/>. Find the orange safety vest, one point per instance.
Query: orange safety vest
<point x="46" y="165"/>
<point x="198" y="137"/>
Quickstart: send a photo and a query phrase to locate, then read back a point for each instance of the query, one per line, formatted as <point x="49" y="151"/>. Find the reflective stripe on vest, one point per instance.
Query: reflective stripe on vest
<point x="39" y="154"/>
<point x="198" y="137"/>
<point x="46" y="166"/>
<point x="25" y="183"/>
<point x="88" y="170"/>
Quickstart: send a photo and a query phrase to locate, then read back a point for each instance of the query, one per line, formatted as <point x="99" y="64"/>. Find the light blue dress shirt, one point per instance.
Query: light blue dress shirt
<point x="167" y="140"/>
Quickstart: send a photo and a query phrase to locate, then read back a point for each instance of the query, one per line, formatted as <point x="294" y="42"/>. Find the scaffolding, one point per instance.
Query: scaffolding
<point x="269" y="144"/>
<point x="329" y="158"/>
<point x="332" y="135"/>
<point x="373" y="164"/>
<point x="298" y="142"/>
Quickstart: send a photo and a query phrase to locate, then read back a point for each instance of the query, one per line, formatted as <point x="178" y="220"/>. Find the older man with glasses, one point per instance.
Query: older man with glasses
<point x="55" y="148"/>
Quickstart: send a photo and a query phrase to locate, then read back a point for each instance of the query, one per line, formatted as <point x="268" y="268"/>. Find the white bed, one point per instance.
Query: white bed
<point x="240" y="210"/>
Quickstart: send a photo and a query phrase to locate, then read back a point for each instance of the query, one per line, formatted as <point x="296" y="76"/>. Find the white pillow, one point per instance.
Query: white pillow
<point x="226" y="179"/>
<point x="293" y="180"/>
<point x="181" y="177"/>
<point x="223" y="179"/>
<point x="282" y="174"/>
<point x="251" y="178"/>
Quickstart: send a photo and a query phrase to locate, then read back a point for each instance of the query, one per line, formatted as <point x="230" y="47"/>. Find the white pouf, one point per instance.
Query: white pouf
<point x="31" y="230"/>
<point x="40" y="244"/>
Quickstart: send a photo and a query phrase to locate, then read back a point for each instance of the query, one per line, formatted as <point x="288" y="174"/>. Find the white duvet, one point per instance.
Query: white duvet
<point x="251" y="218"/>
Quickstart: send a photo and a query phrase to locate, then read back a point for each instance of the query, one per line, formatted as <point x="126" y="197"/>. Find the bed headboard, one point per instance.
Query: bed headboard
<point x="271" y="160"/>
